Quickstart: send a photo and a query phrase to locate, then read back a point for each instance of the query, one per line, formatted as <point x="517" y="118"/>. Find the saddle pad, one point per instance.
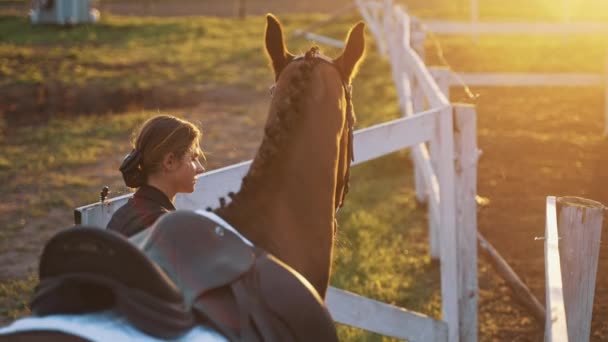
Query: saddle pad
<point x="103" y="326"/>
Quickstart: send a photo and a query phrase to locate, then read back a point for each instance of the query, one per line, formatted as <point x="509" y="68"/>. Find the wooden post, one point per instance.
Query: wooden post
<point x="441" y="77"/>
<point x="465" y="145"/>
<point x="387" y="15"/>
<point x="448" y="238"/>
<point x="403" y="77"/>
<point x="606" y="96"/>
<point x="242" y="10"/>
<point x="555" y="324"/>
<point x="371" y="16"/>
<point x="474" y="17"/>
<point x="418" y="105"/>
<point x="580" y="229"/>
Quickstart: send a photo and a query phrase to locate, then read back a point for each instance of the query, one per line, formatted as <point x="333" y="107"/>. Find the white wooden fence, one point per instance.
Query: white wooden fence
<point x="572" y="243"/>
<point x="446" y="176"/>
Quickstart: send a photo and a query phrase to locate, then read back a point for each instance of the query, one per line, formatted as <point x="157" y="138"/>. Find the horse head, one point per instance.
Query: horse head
<point x="299" y="176"/>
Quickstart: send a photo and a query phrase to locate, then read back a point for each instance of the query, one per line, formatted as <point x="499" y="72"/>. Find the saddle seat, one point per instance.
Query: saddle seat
<point x="184" y="270"/>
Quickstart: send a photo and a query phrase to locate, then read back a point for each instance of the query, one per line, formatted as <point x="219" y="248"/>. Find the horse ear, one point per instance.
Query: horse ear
<point x="275" y="45"/>
<point x="353" y="51"/>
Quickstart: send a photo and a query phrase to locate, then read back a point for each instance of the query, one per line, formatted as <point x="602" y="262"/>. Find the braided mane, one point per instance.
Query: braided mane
<point x="277" y="134"/>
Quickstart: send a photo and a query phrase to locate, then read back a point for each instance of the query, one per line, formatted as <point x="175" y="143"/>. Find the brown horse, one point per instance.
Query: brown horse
<point x="288" y="201"/>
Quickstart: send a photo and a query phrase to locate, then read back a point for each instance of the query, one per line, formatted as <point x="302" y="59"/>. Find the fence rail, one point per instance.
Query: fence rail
<point x="382" y="318"/>
<point x="506" y="28"/>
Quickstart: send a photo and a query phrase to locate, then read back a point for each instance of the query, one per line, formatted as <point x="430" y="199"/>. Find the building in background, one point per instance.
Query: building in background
<point x="63" y="12"/>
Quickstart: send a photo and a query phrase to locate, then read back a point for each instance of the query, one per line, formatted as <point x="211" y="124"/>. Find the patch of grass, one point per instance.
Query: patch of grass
<point x="136" y="52"/>
<point x="382" y="248"/>
<point x="15" y="296"/>
<point x="40" y="160"/>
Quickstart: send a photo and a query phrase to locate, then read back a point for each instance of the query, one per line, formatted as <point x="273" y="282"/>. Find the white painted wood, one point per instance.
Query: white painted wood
<point x="387" y="27"/>
<point x="566" y="11"/>
<point x="370" y="12"/>
<point x="405" y="25"/>
<point x="209" y="187"/>
<point x="320" y="39"/>
<point x="425" y="80"/>
<point x="529" y="79"/>
<point x="381" y="318"/>
<point x="474" y="12"/>
<point x="460" y="27"/>
<point x="97" y="214"/>
<point x="449" y="255"/>
<point x="606" y="110"/>
<point x="430" y="184"/>
<point x="418" y="39"/>
<point x="465" y="141"/>
<point x="580" y="229"/>
<point x="444" y="78"/>
<point x="212" y="185"/>
<point x="418" y="105"/>
<point x="441" y="77"/>
<point x="555" y="325"/>
<point x="606" y="96"/>
<point x="384" y="138"/>
<point x="421" y="179"/>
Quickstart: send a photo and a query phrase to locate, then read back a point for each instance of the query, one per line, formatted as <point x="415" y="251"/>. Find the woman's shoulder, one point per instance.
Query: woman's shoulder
<point x="136" y="215"/>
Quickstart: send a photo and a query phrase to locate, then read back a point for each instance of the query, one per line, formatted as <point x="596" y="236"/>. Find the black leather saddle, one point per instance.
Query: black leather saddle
<point x="184" y="270"/>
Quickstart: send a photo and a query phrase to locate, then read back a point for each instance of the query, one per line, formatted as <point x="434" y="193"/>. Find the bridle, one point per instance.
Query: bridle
<point x="350" y="116"/>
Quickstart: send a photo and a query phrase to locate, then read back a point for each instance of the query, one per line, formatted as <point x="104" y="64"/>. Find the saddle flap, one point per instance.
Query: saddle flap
<point x="292" y="298"/>
<point x="90" y="250"/>
<point x="197" y="253"/>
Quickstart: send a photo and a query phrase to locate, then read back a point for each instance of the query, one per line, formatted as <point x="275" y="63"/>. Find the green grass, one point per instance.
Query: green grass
<point x="137" y="52"/>
<point x="382" y="248"/>
<point x="15" y="296"/>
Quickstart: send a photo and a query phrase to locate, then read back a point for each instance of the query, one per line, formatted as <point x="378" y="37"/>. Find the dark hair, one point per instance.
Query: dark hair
<point x="157" y="137"/>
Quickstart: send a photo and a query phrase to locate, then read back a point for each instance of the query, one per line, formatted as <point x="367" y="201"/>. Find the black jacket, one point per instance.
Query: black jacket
<point x="141" y="211"/>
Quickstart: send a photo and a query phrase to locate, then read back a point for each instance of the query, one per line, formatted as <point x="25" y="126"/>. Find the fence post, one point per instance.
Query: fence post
<point x="555" y="322"/>
<point x="448" y="238"/>
<point x="580" y="229"/>
<point x="465" y="144"/>
<point x="441" y="76"/>
<point x="606" y="96"/>
<point x="418" y="105"/>
<point x="387" y="22"/>
<point x="475" y="18"/>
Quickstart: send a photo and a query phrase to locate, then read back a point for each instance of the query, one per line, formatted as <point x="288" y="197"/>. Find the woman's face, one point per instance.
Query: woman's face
<point x="187" y="170"/>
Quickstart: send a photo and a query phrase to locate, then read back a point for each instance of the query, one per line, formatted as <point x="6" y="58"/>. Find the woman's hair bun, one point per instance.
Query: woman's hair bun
<point x="131" y="170"/>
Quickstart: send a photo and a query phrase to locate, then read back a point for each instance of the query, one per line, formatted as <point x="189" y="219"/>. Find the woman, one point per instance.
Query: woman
<point x="164" y="161"/>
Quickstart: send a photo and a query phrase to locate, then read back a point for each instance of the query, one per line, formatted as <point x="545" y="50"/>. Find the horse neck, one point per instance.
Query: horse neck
<point x="288" y="207"/>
